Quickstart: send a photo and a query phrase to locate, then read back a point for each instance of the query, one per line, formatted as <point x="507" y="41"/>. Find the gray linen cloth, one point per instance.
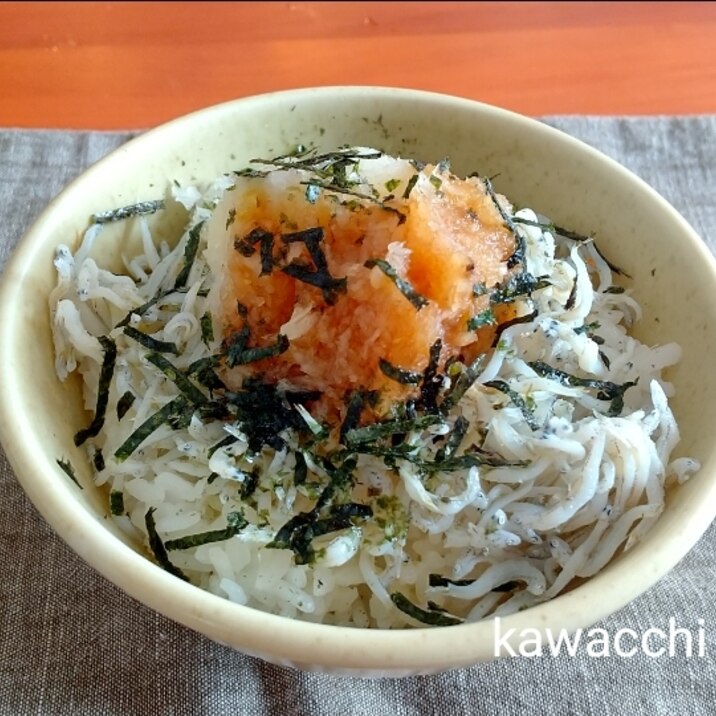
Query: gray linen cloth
<point x="72" y="643"/>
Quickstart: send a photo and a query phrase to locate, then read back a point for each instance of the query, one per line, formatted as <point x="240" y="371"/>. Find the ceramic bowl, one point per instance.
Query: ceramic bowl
<point x="674" y="278"/>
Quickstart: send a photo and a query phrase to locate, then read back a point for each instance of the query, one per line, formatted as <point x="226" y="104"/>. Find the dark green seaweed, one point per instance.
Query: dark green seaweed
<point x="173" y="413"/>
<point x="606" y="390"/>
<point x="105" y="378"/>
<point x="190" y="251"/>
<point x="158" y="548"/>
<point x="126" y="212"/>
<point x="116" y="503"/>
<point x="125" y="403"/>
<point x="401" y="284"/>
<point x="178" y="378"/>
<point x="153" y="344"/>
<point x="517" y="400"/>
<point x="67" y="468"/>
<point x="235" y="522"/>
<point x="430" y="617"/>
<point x="400" y="375"/>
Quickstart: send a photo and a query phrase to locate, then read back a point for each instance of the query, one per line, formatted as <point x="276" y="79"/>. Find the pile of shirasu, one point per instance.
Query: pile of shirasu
<point x="477" y="542"/>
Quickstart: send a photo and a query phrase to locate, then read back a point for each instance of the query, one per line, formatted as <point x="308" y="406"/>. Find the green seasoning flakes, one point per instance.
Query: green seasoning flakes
<point x="401" y="284"/>
<point x="486" y="318"/>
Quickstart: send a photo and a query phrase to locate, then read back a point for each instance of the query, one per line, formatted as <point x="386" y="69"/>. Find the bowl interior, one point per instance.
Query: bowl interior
<point x="672" y="273"/>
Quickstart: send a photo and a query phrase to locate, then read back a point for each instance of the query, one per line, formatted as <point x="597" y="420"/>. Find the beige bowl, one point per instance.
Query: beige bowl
<point x="674" y="279"/>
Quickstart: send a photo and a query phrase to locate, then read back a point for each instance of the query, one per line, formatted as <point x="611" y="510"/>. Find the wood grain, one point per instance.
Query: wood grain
<point x="131" y="65"/>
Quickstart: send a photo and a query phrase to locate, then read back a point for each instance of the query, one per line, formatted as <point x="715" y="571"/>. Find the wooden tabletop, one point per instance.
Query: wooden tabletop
<point x="129" y="65"/>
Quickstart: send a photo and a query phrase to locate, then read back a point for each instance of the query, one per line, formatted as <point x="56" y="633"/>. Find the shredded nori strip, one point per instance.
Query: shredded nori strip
<point x="158" y="548"/>
<point x="506" y="587"/>
<point x="125" y="403"/>
<point x="462" y="384"/>
<point x="338" y="189"/>
<point x="125" y="212"/>
<point x="174" y="412"/>
<point x="455" y="439"/>
<point x="606" y="390"/>
<point x="300" y="471"/>
<point x="605" y="360"/>
<point x="207" y="329"/>
<point x="203" y="371"/>
<point x="518" y="256"/>
<point x="98" y="460"/>
<point x="329" y="285"/>
<point x="431" y="617"/>
<point x="224" y="442"/>
<point x="251" y="173"/>
<point x="518" y="285"/>
<point x="432" y="381"/>
<point x="513" y="322"/>
<point x="153" y="344"/>
<point x="250" y="483"/>
<point x="69" y="471"/>
<point x="178" y="378"/>
<point x="474" y="458"/>
<point x="298" y="533"/>
<point x="238" y="353"/>
<point x="319" y="277"/>
<point x="572" y="298"/>
<point x="235" y="522"/>
<point x="246" y="248"/>
<point x="574" y="236"/>
<point x="517" y="400"/>
<point x="105" y="378"/>
<point x="435" y="580"/>
<point x="386" y="428"/>
<point x="401" y="284"/>
<point x="400" y="375"/>
<point x="116" y="503"/>
<point x="356" y="401"/>
<point x="190" y="251"/>
<point x="411" y="183"/>
<point x="141" y="310"/>
<point x="263" y="413"/>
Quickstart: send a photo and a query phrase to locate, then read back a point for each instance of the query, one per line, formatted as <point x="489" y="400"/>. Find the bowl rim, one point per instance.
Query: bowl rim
<point x="250" y="630"/>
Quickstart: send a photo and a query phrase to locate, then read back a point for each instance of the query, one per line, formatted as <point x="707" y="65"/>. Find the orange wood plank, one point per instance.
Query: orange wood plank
<point x="126" y="65"/>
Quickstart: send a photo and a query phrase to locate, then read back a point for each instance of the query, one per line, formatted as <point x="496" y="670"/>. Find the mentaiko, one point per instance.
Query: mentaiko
<point x="598" y="642"/>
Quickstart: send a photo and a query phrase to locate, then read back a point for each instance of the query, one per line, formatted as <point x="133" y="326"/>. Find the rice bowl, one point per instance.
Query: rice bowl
<point x="564" y="216"/>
